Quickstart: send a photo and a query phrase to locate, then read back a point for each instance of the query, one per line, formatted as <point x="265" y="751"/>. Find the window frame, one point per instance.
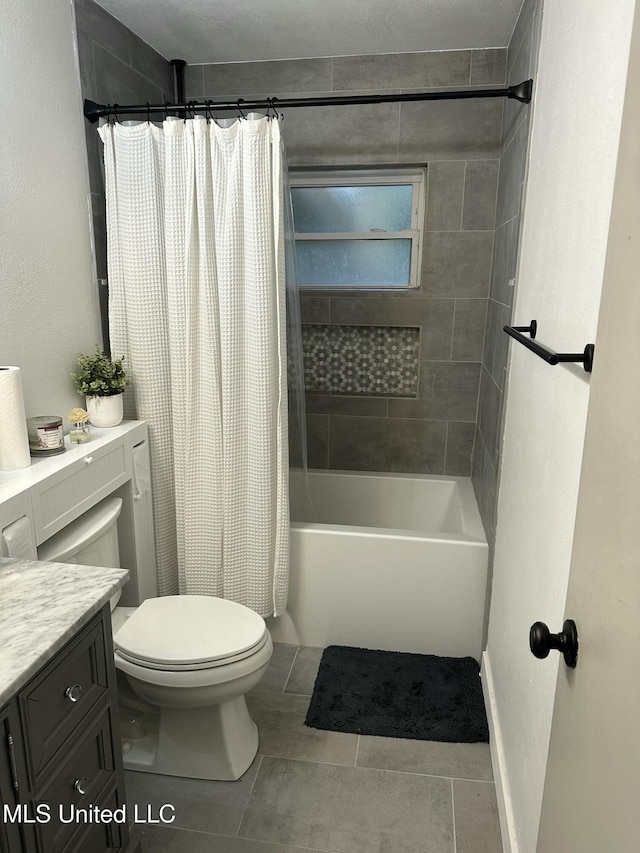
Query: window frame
<point x="416" y="176"/>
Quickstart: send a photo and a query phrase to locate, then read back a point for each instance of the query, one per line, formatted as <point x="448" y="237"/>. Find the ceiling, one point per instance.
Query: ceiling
<point x="245" y="30"/>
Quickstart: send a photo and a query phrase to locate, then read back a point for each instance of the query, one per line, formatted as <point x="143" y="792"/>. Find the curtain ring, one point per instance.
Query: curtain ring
<point x="239" y="110"/>
<point x="271" y="107"/>
<point x="148" y="113"/>
<point x="189" y="110"/>
<point x="275" y="111"/>
<point x="167" y="107"/>
<point x="115" y="114"/>
<point x="207" y="111"/>
<point x="210" y="114"/>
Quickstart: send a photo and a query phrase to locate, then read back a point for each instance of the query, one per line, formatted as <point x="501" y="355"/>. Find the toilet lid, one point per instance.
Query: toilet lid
<point x="190" y="632"/>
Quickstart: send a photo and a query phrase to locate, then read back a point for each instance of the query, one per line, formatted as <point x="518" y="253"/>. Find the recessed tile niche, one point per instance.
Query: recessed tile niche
<point x="368" y="360"/>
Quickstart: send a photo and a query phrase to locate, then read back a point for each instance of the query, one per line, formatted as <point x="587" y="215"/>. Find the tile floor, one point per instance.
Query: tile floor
<point x="314" y="790"/>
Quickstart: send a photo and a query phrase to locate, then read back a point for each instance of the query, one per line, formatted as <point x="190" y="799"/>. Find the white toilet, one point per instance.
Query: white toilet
<point x="188" y="662"/>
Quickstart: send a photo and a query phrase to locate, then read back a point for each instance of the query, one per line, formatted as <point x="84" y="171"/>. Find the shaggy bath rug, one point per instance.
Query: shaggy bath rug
<point x="396" y="694"/>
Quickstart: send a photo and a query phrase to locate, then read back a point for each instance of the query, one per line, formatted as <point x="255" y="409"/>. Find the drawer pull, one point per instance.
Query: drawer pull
<point x="74" y="692"/>
<point x="88" y="460"/>
<point x="82" y="785"/>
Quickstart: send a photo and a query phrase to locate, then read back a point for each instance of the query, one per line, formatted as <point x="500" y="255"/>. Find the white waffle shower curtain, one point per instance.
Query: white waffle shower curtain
<point x="197" y="308"/>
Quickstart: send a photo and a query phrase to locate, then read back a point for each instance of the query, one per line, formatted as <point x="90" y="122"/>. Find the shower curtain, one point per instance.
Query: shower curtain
<point x="195" y="225"/>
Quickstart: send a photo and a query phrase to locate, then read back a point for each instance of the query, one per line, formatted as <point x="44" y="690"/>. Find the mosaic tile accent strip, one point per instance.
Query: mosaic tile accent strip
<point x="371" y="360"/>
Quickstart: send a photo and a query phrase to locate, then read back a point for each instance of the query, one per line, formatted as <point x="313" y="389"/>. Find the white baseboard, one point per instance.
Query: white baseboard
<point x="505" y="811"/>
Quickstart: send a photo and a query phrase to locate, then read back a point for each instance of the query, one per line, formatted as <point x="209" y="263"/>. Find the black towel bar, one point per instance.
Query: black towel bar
<point x="516" y="332"/>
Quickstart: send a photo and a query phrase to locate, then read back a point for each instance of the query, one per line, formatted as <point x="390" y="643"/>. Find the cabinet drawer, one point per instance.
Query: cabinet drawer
<point x="99" y="837"/>
<point x="68" y="493"/>
<point x="57" y="701"/>
<point x="74" y="789"/>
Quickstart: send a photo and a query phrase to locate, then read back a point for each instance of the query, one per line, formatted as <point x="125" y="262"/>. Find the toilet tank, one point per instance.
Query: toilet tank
<point x="91" y="540"/>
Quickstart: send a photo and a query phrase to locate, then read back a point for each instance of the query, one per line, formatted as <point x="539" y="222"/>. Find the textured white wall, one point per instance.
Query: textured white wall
<point x="48" y="300"/>
<point x="576" y="125"/>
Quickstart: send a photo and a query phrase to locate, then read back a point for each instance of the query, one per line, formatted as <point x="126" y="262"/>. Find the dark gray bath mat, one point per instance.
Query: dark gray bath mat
<point x="396" y="694"/>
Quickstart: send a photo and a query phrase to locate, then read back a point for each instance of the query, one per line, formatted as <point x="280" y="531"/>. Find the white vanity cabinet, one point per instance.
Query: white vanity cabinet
<point x="56" y="490"/>
<point x="64" y="495"/>
<point x="59" y="729"/>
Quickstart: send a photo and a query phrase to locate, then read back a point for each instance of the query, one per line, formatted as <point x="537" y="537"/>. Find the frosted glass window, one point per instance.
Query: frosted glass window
<point x="353" y="262"/>
<point x="358" y="228"/>
<point x="331" y="209"/>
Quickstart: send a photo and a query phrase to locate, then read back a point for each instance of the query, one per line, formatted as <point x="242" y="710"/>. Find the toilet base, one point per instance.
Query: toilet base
<point x="217" y="742"/>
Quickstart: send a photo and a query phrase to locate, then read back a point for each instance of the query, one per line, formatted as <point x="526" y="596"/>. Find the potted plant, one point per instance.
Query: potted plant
<point x="102" y="380"/>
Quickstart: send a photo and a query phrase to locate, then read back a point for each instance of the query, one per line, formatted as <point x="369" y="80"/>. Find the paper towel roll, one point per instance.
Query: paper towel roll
<point x="14" y="442"/>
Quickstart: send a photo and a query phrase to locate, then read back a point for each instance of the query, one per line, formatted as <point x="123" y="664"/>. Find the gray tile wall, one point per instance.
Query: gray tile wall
<point x="460" y="141"/>
<point x="475" y="151"/>
<point x="521" y="65"/>
<point x="115" y="67"/>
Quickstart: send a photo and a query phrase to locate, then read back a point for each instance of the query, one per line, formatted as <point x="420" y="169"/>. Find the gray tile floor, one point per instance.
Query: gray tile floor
<point x="314" y="790"/>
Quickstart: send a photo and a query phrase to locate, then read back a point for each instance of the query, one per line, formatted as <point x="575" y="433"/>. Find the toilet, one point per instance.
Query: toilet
<point x="184" y="662"/>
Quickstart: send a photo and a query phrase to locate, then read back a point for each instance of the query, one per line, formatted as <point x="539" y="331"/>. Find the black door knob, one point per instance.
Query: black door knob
<point x="541" y="641"/>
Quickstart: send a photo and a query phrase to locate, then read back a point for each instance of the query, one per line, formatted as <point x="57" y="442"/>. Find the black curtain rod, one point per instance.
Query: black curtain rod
<point x="93" y="111"/>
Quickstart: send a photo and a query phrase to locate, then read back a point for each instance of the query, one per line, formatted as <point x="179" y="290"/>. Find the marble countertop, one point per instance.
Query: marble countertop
<point x="42" y="605"/>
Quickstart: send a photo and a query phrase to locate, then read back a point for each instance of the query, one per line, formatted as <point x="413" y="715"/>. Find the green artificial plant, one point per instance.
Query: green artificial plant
<point x="100" y="375"/>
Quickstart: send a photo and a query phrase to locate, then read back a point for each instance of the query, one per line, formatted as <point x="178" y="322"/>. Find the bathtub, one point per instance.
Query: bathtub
<point x="385" y="561"/>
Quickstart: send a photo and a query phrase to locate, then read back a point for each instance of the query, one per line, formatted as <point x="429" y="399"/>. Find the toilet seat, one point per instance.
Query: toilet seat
<point x="190" y="632"/>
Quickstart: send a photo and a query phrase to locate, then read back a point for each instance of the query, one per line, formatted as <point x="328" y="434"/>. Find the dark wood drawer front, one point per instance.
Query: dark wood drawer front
<point x="99" y="837"/>
<point x="57" y="702"/>
<point x="77" y="785"/>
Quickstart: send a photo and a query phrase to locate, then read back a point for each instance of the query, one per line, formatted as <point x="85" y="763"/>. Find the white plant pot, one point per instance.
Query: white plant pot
<point x="105" y="411"/>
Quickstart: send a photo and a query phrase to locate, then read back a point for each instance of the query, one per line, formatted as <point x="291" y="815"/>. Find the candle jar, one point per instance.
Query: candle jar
<point x="79" y="433"/>
<point x="46" y="436"/>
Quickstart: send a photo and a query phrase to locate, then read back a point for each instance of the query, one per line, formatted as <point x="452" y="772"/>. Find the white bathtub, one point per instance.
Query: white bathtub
<point x="386" y="561"/>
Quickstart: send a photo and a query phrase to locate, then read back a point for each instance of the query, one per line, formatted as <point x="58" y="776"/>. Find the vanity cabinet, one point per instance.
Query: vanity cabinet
<point x="12" y="765"/>
<point x="75" y="488"/>
<point x="54" y="491"/>
<point x="60" y="748"/>
<point x="62" y="754"/>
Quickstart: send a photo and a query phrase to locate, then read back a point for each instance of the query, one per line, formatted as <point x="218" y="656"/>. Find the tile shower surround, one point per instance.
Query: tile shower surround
<point x="361" y="360"/>
<point x="460" y="141"/>
<point x="521" y="65"/>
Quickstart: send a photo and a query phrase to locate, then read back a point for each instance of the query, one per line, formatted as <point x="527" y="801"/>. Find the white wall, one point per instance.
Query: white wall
<point x="48" y="299"/>
<point x="576" y="123"/>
